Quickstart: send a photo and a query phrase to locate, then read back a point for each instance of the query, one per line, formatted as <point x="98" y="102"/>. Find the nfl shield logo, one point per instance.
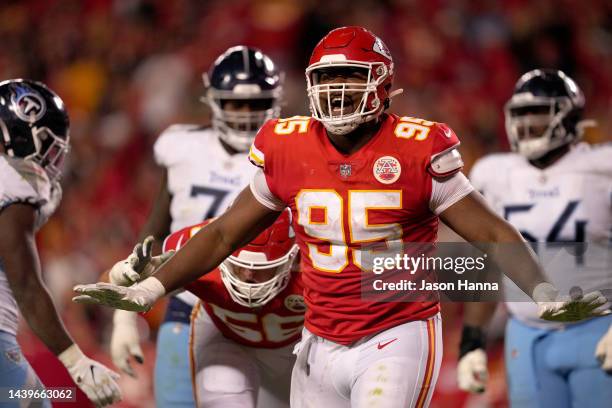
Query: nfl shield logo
<point x="346" y="170"/>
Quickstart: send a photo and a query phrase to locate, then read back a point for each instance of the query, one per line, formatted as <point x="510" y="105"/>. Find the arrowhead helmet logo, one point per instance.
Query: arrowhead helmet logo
<point x="381" y="48"/>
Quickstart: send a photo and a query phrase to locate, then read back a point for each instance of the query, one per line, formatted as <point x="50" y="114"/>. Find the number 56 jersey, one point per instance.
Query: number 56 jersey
<point x="569" y="201"/>
<point x="276" y="324"/>
<point x="387" y="192"/>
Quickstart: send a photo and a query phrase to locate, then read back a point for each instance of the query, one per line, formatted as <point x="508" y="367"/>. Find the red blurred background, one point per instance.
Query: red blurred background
<point x="127" y="69"/>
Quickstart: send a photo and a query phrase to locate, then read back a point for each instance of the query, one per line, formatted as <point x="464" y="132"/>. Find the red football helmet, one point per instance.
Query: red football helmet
<point x="273" y="248"/>
<point x="353" y="48"/>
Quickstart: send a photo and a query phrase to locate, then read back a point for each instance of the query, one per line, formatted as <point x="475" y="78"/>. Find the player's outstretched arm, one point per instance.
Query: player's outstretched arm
<point x="242" y="222"/>
<point x="477" y="223"/>
<point x="19" y="258"/>
<point x="473" y="220"/>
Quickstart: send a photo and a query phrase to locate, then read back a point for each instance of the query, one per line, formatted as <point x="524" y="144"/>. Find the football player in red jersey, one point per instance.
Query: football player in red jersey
<point x="248" y="319"/>
<point x="352" y="174"/>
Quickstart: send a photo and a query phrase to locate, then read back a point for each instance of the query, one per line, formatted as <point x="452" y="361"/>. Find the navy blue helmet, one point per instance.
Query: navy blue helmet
<point x="34" y="124"/>
<point x="543" y="113"/>
<point x="243" y="89"/>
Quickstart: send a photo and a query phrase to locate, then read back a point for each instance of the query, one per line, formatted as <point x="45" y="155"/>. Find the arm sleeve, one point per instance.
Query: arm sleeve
<point x="446" y="193"/>
<point x="23" y="182"/>
<point x="261" y="191"/>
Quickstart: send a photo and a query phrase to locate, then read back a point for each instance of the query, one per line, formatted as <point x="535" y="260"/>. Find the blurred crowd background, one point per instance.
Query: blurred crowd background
<point x="128" y="68"/>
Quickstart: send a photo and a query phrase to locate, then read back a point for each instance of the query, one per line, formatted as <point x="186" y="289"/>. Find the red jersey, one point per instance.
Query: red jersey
<point x="277" y="324"/>
<point x="381" y="193"/>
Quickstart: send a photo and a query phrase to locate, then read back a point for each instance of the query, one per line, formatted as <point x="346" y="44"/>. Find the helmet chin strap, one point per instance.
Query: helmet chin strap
<point x="395" y="93"/>
<point x="583" y="125"/>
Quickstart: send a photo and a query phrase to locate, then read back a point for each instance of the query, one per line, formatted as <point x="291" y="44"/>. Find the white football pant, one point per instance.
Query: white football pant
<point x="226" y="374"/>
<point x="394" y="368"/>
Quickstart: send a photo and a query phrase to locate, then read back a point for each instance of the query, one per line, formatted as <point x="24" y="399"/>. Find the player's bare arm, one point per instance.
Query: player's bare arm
<point x="20" y="258"/>
<point x="242" y="222"/>
<point x="158" y="222"/>
<point x="476" y="222"/>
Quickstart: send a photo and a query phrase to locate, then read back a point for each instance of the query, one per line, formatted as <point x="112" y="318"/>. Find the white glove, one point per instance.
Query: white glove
<point x="571" y="308"/>
<point x="472" y="374"/>
<point x="603" y="351"/>
<point x="94" y="379"/>
<point x="125" y="342"/>
<point x="136" y="298"/>
<point x="139" y="265"/>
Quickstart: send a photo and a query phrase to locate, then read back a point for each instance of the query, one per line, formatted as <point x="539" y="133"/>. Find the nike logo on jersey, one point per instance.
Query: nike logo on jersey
<point x="383" y="345"/>
<point x="448" y="133"/>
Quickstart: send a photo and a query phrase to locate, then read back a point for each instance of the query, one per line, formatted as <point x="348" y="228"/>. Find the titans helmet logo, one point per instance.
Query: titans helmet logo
<point x="27" y="104"/>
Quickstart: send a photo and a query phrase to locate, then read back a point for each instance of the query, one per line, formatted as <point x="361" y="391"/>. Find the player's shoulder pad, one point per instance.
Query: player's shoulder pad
<point x="178" y="239"/>
<point x="172" y="142"/>
<point x="445" y="159"/>
<point x="23" y="182"/>
<point x="594" y="157"/>
<point x="268" y="135"/>
<point x="487" y="169"/>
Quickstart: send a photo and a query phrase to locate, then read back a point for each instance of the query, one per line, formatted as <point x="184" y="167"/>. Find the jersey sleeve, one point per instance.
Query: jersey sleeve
<point x="166" y="149"/>
<point x="480" y="174"/>
<point x="257" y="153"/>
<point x="445" y="159"/>
<point x="263" y="155"/>
<point x="23" y="181"/>
<point x="261" y="192"/>
<point x="445" y="193"/>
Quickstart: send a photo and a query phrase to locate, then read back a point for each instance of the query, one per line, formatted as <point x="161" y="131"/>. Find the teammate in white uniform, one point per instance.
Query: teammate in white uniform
<point x="554" y="190"/>
<point x="34" y="129"/>
<point x="203" y="171"/>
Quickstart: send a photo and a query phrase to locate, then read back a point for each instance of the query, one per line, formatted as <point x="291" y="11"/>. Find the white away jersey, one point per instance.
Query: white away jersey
<point x="203" y="178"/>
<point x="22" y="181"/>
<point x="570" y="201"/>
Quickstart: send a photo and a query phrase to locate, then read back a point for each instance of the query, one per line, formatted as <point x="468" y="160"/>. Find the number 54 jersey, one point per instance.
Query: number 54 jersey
<point x="569" y="201"/>
<point x="388" y="192"/>
<point x="276" y="324"/>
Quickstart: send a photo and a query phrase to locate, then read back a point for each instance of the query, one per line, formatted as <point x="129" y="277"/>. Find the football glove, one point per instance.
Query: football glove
<point x="139" y="265"/>
<point x="571" y="308"/>
<point x="125" y="342"/>
<point x="136" y="298"/>
<point x="603" y="352"/>
<point x="94" y="379"/>
<point x="472" y="373"/>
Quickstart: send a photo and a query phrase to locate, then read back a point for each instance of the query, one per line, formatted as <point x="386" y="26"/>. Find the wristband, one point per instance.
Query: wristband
<point x="472" y="338"/>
